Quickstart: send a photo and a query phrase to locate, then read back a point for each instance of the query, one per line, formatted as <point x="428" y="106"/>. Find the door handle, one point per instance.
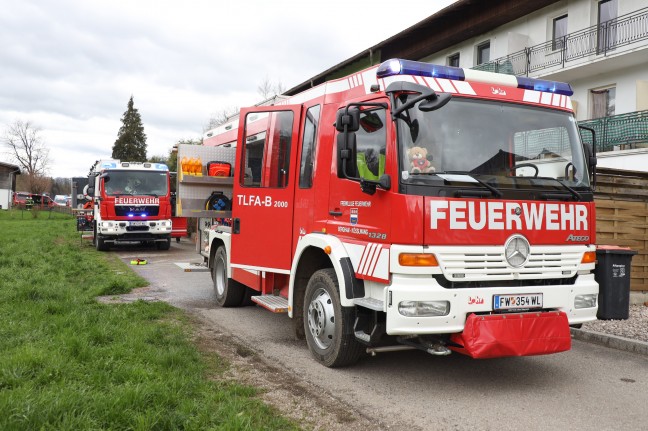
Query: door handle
<point x="335" y="213"/>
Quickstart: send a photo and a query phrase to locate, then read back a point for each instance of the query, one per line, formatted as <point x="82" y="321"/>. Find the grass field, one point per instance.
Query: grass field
<point x="71" y="363"/>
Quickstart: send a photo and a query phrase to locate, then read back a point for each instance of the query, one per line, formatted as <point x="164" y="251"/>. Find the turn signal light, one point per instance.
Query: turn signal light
<point x="417" y="259"/>
<point x="589" y="257"/>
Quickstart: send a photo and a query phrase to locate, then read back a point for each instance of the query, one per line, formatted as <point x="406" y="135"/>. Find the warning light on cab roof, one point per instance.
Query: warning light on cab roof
<point x="396" y="67"/>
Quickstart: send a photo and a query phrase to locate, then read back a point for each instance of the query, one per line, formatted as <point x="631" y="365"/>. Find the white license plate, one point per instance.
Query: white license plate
<point x="139" y="223"/>
<point x="509" y="302"/>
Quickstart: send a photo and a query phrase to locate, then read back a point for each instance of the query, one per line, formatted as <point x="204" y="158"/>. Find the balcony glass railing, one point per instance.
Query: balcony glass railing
<point x="596" y="40"/>
<point x="619" y="132"/>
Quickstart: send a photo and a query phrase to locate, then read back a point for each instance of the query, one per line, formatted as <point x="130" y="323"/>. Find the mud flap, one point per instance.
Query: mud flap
<point x="520" y="334"/>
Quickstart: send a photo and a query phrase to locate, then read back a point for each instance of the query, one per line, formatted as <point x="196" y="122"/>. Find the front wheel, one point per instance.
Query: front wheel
<point x="327" y="324"/>
<point x="164" y="245"/>
<point x="229" y="293"/>
<point x="99" y="242"/>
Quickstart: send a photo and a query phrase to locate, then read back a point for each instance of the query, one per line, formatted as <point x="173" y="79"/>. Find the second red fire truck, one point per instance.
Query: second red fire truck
<point x="409" y="205"/>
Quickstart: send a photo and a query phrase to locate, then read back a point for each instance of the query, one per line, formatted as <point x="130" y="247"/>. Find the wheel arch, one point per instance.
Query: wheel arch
<point x="218" y="239"/>
<point x="311" y="256"/>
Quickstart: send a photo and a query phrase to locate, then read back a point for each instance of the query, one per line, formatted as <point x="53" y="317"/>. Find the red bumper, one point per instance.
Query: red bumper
<point x="523" y="334"/>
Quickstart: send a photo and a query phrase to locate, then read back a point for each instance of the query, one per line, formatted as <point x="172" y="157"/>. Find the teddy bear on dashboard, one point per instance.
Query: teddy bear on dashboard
<point x="418" y="161"/>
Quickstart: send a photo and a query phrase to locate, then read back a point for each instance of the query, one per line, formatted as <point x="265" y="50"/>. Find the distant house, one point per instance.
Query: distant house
<point x="8" y="174"/>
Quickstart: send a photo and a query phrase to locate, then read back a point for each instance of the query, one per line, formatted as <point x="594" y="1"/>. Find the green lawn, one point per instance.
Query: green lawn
<point x="68" y="362"/>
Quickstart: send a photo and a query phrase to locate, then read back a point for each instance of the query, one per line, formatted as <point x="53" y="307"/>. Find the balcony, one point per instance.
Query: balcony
<point x="619" y="132"/>
<point x="599" y="41"/>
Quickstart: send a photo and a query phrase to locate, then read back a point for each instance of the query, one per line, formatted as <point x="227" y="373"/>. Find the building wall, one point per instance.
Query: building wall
<point x="630" y="81"/>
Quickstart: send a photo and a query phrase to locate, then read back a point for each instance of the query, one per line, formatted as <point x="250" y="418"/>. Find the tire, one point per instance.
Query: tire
<point x="100" y="243"/>
<point x="247" y="297"/>
<point x="164" y="245"/>
<point x="229" y="293"/>
<point x="328" y="326"/>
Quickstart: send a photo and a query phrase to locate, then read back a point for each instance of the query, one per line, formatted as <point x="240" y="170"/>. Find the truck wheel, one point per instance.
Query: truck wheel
<point x="164" y="245"/>
<point x="229" y="293"/>
<point x="328" y="326"/>
<point x="100" y="243"/>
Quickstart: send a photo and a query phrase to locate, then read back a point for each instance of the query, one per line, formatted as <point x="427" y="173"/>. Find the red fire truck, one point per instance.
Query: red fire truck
<point x="130" y="202"/>
<point x="410" y="205"/>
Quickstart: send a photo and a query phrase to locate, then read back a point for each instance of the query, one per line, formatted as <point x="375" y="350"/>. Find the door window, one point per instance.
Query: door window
<point x="266" y="149"/>
<point x="308" y="147"/>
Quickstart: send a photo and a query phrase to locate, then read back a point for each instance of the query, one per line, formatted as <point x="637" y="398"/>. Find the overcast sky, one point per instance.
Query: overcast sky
<point x="70" y="66"/>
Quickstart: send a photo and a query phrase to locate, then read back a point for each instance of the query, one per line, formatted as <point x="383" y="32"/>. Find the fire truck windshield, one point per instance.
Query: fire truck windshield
<point x="498" y="145"/>
<point x="136" y="183"/>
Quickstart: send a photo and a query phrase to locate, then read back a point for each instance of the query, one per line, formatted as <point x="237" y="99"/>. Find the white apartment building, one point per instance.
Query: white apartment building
<point x="600" y="47"/>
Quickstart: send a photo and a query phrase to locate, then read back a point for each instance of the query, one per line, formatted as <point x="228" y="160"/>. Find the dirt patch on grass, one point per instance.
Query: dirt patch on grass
<point x="308" y="405"/>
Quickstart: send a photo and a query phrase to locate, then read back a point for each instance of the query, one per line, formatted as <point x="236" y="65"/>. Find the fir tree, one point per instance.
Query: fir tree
<point x="130" y="145"/>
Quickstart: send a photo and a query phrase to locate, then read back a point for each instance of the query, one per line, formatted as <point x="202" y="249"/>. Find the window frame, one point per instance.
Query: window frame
<point x="558" y="41"/>
<point x="456" y="56"/>
<point x="480" y="50"/>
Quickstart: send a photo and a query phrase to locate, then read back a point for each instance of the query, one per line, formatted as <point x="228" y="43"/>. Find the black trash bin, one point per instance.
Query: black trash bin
<point x="612" y="273"/>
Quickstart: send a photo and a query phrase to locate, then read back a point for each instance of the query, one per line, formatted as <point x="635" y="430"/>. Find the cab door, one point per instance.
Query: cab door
<point x="264" y="189"/>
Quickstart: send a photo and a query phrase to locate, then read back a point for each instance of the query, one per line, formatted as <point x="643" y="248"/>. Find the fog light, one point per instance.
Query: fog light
<point x="424" y="308"/>
<point x="585" y="301"/>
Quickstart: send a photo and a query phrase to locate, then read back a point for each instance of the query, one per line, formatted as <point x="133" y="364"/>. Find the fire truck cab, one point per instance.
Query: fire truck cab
<point x="411" y="205"/>
<point x="130" y="203"/>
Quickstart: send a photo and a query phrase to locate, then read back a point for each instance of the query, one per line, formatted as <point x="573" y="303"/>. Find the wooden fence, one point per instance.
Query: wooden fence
<point x="622" y="217"/>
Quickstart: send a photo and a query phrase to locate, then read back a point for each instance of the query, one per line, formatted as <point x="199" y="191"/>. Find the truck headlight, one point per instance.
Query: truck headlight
<point x="585" y="301"/>
<point x="424" y="308"/>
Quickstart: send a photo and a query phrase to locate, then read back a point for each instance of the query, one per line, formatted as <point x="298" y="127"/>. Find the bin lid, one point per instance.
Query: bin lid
<point x="614" y="249"/>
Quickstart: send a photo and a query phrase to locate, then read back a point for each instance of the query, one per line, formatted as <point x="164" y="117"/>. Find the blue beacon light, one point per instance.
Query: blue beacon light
<point x="396" y="67"/>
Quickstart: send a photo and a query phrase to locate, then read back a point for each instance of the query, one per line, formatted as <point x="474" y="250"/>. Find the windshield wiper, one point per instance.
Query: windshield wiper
<point x="493" y="190"/>
<point x="574" y="193"/>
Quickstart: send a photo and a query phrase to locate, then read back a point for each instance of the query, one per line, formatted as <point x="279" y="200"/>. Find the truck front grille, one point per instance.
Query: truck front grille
<point x="468" y="265"/>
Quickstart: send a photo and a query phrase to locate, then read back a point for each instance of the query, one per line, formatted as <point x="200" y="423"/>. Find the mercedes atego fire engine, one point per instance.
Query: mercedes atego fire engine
<point x="411" y="205"/>
<point x="130" y="202"/>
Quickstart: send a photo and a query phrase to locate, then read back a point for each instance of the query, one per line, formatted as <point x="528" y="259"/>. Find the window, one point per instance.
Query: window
<point x="371" y="143"/>
<point x="308" y="147"/>
<point x="483" y="53"/>
<point x="559" y="32"/>
<point x="603" y="102"/>
<point x="607" y="13"/>
<point x="268" y="137"/>
<point x="453" y="60"/>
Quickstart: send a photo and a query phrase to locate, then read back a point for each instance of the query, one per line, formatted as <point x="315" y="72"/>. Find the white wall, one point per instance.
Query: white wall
<point x="630" y="160"/>
<point x="628" y="90"/>
<point x="5" y="198"/>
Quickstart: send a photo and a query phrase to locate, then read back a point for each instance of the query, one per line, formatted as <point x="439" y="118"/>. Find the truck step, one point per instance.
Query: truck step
<point x="370" y="303"/>
<point x="276" y="304"/>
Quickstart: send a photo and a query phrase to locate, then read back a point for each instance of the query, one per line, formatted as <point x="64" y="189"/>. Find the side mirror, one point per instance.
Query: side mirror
<point x="91" y="191"/>
<point x="349" y="118"/>
<point x="432" y="104"/>
<point x="346" y="148"/>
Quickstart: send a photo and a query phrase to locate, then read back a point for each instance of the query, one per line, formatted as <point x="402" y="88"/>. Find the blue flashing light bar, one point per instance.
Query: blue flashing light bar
<point x="396" y="67"/>
<point x="409" y="67"/>
<point x="131" y="215"/>
<point x="544" y="85"/>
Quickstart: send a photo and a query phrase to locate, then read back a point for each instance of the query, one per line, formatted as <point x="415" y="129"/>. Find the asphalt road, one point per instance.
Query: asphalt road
<point x="589" y="387"/>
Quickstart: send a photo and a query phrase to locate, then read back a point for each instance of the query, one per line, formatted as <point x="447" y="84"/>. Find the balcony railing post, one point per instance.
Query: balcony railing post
<point x="527" y="63"/>
<point x="563" y="51"/>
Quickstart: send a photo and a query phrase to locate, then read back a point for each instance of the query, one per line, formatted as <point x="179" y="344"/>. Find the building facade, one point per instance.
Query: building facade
<point x="8" y="174"/>
<point x="600" y="47"/>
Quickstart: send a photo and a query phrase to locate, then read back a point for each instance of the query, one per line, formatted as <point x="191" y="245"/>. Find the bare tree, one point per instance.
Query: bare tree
<point x="268" y="90"/>
<point x="219" y="118"/>
<point x="26" y="146"/>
